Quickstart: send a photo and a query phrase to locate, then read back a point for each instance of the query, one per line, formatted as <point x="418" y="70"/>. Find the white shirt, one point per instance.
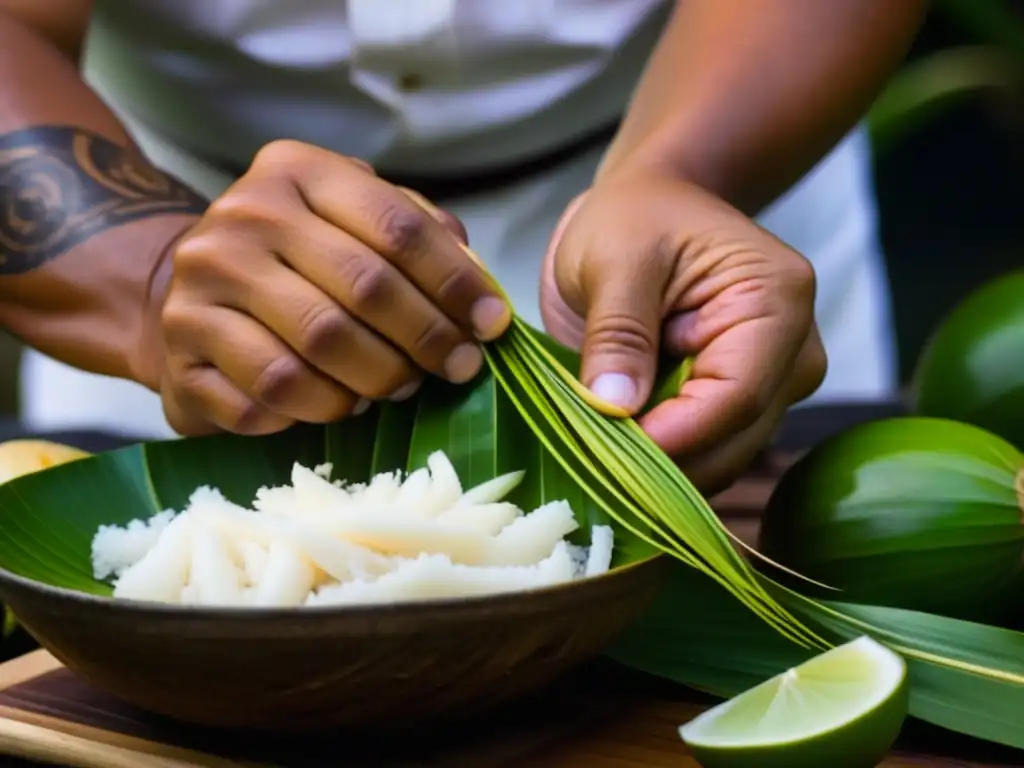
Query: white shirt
<point x="436" y="86"/>
<point x="410" y="85"/>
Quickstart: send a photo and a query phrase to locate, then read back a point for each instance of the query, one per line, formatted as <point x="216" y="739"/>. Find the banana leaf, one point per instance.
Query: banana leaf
<point x="965" y="677"/>
<point x="628" y="476"/>
<point x="719" y="625"/>
<point x="527" y="412"/>
<point x="696" y="635"/>
<point x="478" y="426"/>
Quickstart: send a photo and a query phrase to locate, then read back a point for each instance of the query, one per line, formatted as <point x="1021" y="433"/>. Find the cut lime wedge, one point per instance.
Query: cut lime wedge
<point x="842" y="709"/>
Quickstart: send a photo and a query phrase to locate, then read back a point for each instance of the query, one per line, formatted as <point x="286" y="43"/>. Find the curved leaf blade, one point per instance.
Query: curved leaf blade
<point x="234" y="464"/>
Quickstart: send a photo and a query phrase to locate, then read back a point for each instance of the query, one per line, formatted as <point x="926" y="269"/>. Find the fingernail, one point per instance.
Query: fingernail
<point x="405" y="391"/>
<point x="463" y="363"/>
<point x="615" y="388"/>
<point x="361" y="407"/>
<point x="490" y="316"/>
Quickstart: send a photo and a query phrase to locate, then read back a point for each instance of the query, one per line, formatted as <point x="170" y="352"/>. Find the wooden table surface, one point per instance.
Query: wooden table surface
<point x="620" y="720"/>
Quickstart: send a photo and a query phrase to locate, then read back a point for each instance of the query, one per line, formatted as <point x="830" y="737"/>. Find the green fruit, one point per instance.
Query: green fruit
<point x="842" y="709"/>
<point x="972" y="369"/>
<point x="916" y="513"/>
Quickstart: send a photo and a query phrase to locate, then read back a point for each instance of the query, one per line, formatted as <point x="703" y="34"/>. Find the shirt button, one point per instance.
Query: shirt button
<point x="410" y="82"/>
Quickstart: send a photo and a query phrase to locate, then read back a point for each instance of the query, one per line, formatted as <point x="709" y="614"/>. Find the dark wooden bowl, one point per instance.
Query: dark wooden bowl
<point x="372" y="666"/>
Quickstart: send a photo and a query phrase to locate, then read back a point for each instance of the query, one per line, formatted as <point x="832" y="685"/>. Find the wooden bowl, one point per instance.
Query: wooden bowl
<point x="292" y="669"/>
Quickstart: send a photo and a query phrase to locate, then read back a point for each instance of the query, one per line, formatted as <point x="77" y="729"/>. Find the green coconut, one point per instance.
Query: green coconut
<point x="912" y="512"/>
<point x="972" y="368"/>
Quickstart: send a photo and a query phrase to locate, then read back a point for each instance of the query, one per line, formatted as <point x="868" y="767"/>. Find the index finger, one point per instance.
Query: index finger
<point x="735" y="379"/>
<point x="423" y="249"/>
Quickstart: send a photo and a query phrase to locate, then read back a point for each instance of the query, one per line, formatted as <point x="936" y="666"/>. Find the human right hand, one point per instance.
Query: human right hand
<point x="310" y="288"/>
<point x="645" y="264"/>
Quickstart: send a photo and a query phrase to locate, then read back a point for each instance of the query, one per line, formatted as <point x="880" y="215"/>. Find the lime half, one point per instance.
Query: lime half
<point x="842" y="709"/>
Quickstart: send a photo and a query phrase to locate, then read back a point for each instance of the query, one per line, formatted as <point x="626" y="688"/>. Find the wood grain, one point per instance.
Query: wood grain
<point x="646" y="736"/>
<point x="47" y="745"/>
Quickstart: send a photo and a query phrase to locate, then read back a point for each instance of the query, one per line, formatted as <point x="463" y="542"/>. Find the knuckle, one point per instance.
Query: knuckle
<point x="277" y="382"/>
<point x="196" y="250"/>
<point x="201" y="405"/>
<point x="336" y="412"/>
<point x="322" y="331"/>
<point x="190" y="425"/>
<point x="361" y="164"/>
<point x="251" y="207"/>
<point x="814" y="362"/>
<point x="460" y="288"/>
<point x="401" y="228"/>
<point x="801" y="280"/>
<point x="618" y="333"/>
<point x="187" y="386"/>
<point x="371" y="286"/>
<point x="190" y="386"/>
<point x="281" y="153"/>
<point x="207" y="259"/>
<point x="249" y="418"/>
<point x="176" y="321"/>
<point x="388" y="382"/>
<point x="811" y="367"/>
<point x="385" y="387"/>
<point x="380" y="388"/>
<point x="432" y="344"/>
<point x="748" y="406"/>
<point x="453" y="224"/>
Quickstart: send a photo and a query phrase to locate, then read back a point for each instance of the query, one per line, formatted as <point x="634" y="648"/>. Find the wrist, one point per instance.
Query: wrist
<point x="145" y="357"/>
<point x="664" y="158"/>
<point x="646" y="165"/>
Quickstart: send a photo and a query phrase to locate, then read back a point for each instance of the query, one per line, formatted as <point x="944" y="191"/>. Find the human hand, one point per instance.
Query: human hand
<point x="310" y="288"/>
<point x="643" y="265"/>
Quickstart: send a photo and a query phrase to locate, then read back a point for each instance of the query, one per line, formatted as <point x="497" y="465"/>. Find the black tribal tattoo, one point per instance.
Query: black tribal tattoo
<point x="60" y="185"/>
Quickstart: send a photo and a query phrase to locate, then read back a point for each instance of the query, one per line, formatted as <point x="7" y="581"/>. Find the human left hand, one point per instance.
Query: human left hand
<point x="644" y="264"/>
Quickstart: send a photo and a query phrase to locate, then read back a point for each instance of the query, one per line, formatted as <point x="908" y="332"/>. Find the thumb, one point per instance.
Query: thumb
<point x="620" y="343"/>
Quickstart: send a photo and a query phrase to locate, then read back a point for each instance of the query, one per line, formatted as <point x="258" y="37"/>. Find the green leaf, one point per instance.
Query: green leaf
<point x="624" y="472"/>
<point x="548" y="471"/>
<point x="479" y="427"/>
<point x="996" y="22"/>
<point x="48" y="519"/>
<point x="671" y="377"/>
<point x="10" y="622"/>
<point x="942" y="80"/>
<point x="696" y="633"/>
<point x="235" y="465"/>
<point x="395" y="424"/>
<point x="719" y="624"/>
<point x="966" y="677"/>
<point x="476" y="425"/>
<point x="932" y="86"/>
<point x="672" y="374"/>
<point x="350" y="449"/>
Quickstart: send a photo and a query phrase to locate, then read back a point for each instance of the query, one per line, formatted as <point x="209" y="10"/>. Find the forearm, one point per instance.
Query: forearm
<point x="743" y="98"/>
<point x="84" y="219"/>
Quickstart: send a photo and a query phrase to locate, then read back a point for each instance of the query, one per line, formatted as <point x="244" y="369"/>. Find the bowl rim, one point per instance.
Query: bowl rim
<point x="141" y="608"/>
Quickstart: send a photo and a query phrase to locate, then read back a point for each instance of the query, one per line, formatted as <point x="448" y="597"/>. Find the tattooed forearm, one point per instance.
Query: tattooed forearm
<point x="60" y="185"/>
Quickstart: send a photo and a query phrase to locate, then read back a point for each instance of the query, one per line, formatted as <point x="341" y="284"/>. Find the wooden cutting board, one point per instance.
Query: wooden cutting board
<point x="603" y="718"/>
